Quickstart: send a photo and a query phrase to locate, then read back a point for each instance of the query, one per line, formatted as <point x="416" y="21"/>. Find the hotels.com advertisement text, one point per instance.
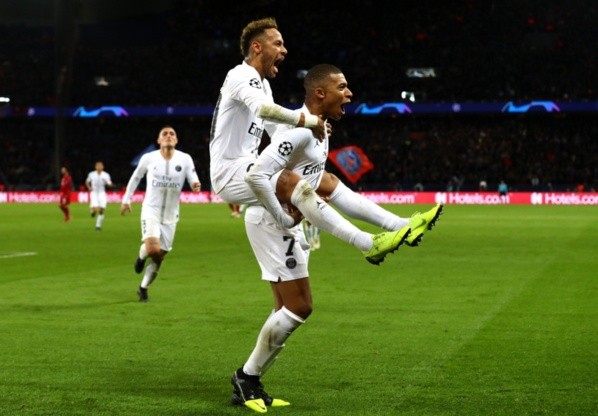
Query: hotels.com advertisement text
<point x="457" y="198"/>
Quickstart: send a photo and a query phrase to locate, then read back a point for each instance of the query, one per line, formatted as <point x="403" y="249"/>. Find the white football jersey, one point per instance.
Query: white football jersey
<point x="236" y="131"/>
<point x="98" y="181"/>
<point x="296" y="149"/>
<point x="164" y="183"/>
<point x="293" y="148"/>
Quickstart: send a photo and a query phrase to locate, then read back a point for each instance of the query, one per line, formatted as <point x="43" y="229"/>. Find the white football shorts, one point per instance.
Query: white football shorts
<point x="237" y="191"/>
<point x="97" y="199"/>
<point x="151" y="227"/>
<point x="281" y="253"/>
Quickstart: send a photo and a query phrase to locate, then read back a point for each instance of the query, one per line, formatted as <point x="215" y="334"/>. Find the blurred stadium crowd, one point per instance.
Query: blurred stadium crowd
<point x="479" y="51"/>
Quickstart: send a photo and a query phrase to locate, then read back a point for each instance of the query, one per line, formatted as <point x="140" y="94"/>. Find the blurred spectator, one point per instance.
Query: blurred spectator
<point x="544" y="152"/>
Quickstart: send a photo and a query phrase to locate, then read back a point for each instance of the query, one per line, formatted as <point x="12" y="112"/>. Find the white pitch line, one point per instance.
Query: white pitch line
<point x="17" y="254"/>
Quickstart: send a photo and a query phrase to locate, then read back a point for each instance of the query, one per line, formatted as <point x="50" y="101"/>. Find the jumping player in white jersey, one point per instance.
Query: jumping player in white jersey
<point x="165" y="170"/>
<point x="96" y="183"/>
<point x="245" y="109"/>
<point x="282" y="259"/>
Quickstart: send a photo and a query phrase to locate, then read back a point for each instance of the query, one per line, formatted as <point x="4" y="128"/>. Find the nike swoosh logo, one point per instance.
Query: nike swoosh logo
<point x="256" y="405"/>
<point x="421" y="222"/>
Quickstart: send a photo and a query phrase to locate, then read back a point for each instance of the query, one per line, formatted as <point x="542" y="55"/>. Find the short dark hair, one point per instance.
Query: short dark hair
<point x="318" y="74"/>
<point x="254" y="29"/>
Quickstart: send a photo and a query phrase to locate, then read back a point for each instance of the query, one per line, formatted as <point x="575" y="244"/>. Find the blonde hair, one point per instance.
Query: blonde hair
<point x="253" y="30"/>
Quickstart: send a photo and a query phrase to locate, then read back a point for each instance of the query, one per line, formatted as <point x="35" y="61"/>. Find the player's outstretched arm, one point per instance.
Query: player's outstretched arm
<point x="275" y="113"/>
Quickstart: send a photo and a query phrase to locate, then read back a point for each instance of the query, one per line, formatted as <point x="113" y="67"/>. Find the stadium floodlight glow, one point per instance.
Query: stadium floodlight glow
<point x="4" y="99"/>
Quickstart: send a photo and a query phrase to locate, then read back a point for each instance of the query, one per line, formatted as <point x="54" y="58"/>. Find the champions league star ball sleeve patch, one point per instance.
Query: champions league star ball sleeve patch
<point x="255" y="83"/>
<point x="285" y="148"/>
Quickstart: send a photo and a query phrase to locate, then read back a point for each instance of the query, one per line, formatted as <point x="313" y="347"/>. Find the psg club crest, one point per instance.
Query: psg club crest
<point x="291" y="263"/>
<point x="178" y="168"/>
<point x="352" y="161"/>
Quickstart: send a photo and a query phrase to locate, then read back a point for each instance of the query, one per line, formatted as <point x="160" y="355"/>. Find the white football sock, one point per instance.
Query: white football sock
<point x="323" y="216"/>
<point x="142" y="251"/>
<point x="359" y="207"/>
<point x="270" y="342"/>
<point x="151" y="272"/>
<point x="99" y="220"/>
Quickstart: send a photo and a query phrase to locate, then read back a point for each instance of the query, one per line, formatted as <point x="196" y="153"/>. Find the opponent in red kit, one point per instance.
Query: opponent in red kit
<point x="65" y="192"/>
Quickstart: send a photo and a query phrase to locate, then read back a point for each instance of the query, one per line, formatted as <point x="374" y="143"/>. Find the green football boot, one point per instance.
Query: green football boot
<point x="420" y="223"/>
<point x="385" y="243"/>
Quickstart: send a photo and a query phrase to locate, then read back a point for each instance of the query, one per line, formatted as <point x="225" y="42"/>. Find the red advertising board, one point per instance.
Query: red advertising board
<point x="484" y="198"/>
<point x="457" y="198"/>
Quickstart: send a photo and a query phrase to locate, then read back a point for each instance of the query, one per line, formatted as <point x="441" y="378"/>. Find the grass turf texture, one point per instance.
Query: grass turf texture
<point x="494" y="314"/>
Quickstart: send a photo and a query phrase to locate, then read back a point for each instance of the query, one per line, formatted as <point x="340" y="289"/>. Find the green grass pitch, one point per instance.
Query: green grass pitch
<point x="496" y="313"/>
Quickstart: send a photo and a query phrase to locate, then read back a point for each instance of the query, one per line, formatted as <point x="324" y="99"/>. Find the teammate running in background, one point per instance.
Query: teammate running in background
<point x="97" y="181"/>
<point x="166" y="171"/>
